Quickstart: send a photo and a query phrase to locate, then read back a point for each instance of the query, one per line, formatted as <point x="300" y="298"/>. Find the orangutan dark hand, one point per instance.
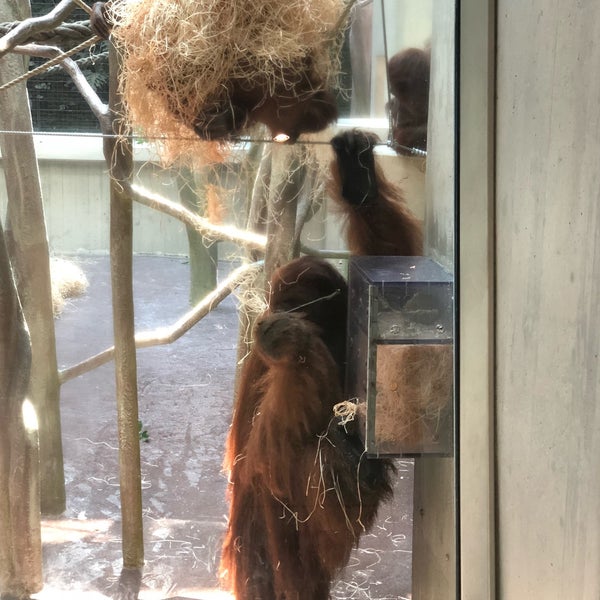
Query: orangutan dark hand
<point x="356" y="166"/>
<point x="100" y="22"/>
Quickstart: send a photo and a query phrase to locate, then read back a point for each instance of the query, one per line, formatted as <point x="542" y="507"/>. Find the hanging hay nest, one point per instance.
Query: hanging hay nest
<point x="216" y="67"/>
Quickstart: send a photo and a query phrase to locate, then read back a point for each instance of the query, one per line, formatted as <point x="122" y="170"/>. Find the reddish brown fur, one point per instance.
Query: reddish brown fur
<point x="389" y="229"/>
<point x="379" y="222"/>
<point x="301" y="495"/>
<point x="301" y="491"/>
<point x="303" y="105"/>
<point x="323" y="292"/>
<point x="408" y="73"/>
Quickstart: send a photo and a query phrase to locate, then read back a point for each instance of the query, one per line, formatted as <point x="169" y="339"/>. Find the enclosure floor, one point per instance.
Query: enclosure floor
<point x="185" y="398"/>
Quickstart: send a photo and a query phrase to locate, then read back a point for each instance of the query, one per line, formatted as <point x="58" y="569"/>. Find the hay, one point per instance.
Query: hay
<point x="180" y="58"/>
<point x="414" y="397"/>
<point x="68" y="281"/>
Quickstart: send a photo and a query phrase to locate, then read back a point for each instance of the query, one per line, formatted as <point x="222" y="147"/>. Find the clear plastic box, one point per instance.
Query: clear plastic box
<point x="400" y="354"/>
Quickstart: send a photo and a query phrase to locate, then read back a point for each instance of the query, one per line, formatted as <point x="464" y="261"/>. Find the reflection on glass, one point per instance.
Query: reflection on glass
<point x="402" y="58"/>
<point x="398" y="68"/>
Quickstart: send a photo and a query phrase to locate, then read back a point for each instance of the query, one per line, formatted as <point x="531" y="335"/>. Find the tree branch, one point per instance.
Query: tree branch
<point x="96" y="105"/>
<point x="209" y="230"/>
<point x="167" y="335"/>
<point x="29" y="27"/>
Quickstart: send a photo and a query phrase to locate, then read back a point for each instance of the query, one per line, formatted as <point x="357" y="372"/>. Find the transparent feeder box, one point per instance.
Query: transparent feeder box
<point x="400" y="354"/>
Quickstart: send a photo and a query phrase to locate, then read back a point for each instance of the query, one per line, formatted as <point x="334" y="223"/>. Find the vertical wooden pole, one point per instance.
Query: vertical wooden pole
<point x="118" y="153"/>
<point x="20" y="539"/>
<point x="258" y="198"/>
<point x="203" y="255"/>
<point x="287" y="178"/>
<point x="278" y="183"/>
<point x="255" y="178"/>
<point x="27" y="242"/>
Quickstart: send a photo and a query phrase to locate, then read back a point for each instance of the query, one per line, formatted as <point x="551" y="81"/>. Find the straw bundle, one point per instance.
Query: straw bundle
<point x="414" y="395"/>
<point x="212" y="66"/>
<point x="68" y="281"/>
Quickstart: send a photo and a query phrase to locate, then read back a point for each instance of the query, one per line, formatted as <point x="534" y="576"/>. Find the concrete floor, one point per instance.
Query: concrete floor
<point x="185" y="397"/>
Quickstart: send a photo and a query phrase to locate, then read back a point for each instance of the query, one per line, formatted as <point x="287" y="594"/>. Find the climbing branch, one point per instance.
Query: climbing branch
<point x="28" y="28"/>
<point x="96" y="105"/>
<point x="209" y="230"/>
<point x="167" y="335"/>
<point x="66" y="34"/>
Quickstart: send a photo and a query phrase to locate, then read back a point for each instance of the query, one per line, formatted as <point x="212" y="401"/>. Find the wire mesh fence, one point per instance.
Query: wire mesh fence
<point x="56" y="104"/>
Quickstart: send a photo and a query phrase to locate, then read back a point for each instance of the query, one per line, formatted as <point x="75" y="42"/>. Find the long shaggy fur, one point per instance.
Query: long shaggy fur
<point x="301" y="490"/>
<point x="378" y="221"/>
<point x="315" y="289"/>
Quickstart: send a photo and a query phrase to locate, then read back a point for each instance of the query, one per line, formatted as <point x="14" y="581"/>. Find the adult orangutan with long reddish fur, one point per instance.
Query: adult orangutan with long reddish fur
<point x="314" y="288"/>
<point x="301" y="491"/>
<point x="300" y="103"/>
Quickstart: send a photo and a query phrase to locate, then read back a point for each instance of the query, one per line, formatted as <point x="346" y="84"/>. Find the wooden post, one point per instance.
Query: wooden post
<point x="27" y="243"/>
<point x="287" y="177"/>
<point x="278" y="183"/>
<point x="118" y="153"/>
<point x="20" y="538"/>
<point x="256" y="222"/>
<point x="203" y="255"/>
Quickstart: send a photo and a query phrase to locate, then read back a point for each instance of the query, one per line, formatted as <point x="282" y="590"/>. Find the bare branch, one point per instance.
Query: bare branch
<point x="29" y="27"/>
<point x="96" y="105"/>
<point x="65" y="35"/>
<point x="167" y="335"/>
<point x="209" y="230"/>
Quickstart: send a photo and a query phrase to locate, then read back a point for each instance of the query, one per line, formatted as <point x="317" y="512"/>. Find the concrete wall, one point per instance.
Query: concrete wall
<point x="75" y="189"/>
<point x="76" y="198"/>
<point x="548" y="299"/>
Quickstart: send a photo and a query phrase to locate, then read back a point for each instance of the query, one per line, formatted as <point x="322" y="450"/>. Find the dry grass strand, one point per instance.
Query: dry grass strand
<point x="180" y="57"/>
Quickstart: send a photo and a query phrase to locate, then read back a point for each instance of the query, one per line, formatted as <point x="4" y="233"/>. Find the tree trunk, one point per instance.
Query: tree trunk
<point x="28" y="246"/>
<point x="259" y="173"/>
<point x="118" y="153"/>
<point x="287" y="178"/>
<point x="20" y="539"/>
<point x="203" y="255"/>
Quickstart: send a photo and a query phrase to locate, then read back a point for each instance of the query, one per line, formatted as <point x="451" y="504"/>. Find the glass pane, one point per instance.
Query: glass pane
<point x="401" y="333"/>
<point x="396" y="83"/>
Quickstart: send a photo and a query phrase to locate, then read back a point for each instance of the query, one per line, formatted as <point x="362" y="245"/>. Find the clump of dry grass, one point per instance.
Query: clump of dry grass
<point x="68" y="281"/>
<point x="413" y="401"/>
<point x="414" y="395"/>
<point x="180" y="58"/>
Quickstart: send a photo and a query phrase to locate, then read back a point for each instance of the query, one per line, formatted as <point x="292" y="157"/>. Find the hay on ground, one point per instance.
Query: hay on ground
<point x="68" y="281"/>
